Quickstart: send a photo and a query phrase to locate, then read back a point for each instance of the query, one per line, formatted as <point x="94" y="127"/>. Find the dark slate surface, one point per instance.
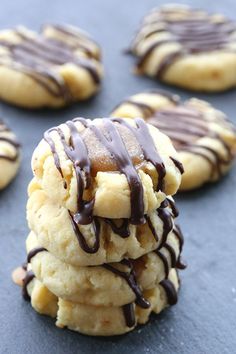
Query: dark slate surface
<point x="204" y="320"/>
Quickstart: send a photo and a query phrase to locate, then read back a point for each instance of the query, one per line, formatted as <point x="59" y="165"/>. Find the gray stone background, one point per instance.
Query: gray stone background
<point x="204" y="320"/>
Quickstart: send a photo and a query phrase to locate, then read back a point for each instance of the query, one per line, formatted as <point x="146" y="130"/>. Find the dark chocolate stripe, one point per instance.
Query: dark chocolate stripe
<point x="129" y="315"/>
<point x="142" y="134"/>
<point x="33" y="252"/>
<point x="80" y="237"/>
<point x="171" y="251"/>
<point x="122" y="230"/>
<point x="164" y="261"/>
<point x="37" y="55"/>
<point x="130" y="278"/>
<point x="115" y="145"/>
<point x="172" y="205"/>
<point x="167" y="221"/>
<point x="27" y="279"/>
<point x="170" y="291"/>
<point x="196" y="35"/>
<point x="11" y="141"/>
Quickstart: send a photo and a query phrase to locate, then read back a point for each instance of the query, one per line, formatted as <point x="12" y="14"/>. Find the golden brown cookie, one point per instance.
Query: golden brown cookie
<point x="54" y="68"/>
<point x="100" y="320"/>
<point x="113" y="168"/>
<point x="9" y="155"/>
<point x="187" y="47"/>
<point x="107" y="284"/>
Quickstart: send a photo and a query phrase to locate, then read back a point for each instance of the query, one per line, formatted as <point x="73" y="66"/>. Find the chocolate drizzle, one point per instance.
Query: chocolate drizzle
<point x="37" y="56"/>
<point x="4" y="130"/>
<point x="184" y="125"/>
<point x="122" y="230"/>
<point x="116" y="147"/>
<point x="76" y="150"/>
<point x="27" y="279"/>
<point x="180" y="264"/>
<point x="130" y="278"/>
<point x="33" y="252"/>
<point x="167" y="221"/>
<point x="129" y="314"/>
<point x="142" y="134"/>
<point x="170" y="291"/>
<point x="109" y="136"/>
<point x="195" y="33"/>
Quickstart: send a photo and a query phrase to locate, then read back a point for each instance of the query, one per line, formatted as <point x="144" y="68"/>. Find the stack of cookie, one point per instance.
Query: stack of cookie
<point x="103" y="248"/>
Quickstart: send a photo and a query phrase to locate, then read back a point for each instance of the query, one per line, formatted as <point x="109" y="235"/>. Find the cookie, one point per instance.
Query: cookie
<point x="104" y="246"/>
<point x="108" y="284"/>
<point x="9" y="155"/>
<point x="102" y="240"/>
<point x="54" y="68"/>
<point x="202" y="135"/>
<point x="101" y="320"/>
<point x="88" y="166"/>
<point x="187" y="47"/>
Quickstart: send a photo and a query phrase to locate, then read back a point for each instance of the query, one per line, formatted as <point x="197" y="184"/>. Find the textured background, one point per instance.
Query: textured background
<point x="204" y="320"/>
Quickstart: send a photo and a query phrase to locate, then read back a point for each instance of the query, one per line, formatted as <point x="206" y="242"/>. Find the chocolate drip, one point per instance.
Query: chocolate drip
<point x="180" y="264"/>
<point x="24" y="265"/>
<point x="178" y="164"/>
<point x="122" y="230"/>
<point x="129" y="314"/>
<point x="172" y="205"/>
<point x="130" y="278"/>
<point x="37" y="55"/>
<point x="142" y="134"/>
<point x="77" y="152"/>
<point x="52" y="146"/>
<point x="80" y="237"/>
<point x="167" y="221"/>
<point x="79" y="36"/>
<point x="33" y="252"/>
<point x="116" y="147"/>
<point x="195" y="35"/>
<point x="152" y="228"/>
<point x="9" y="140"/>
<point x="170" y="291"/>
<point x="27" y="279"/>
<point x="177" y="231"/>
<point x="164" y="261"/>
<point x="171" y="251"/>
<point x="166" y="218"/>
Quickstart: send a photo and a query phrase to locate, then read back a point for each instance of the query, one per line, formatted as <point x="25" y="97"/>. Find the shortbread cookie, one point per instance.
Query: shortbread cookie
<point x="203" y="136"/>
<point x="100" y="320"/>
<point x="188" y="48"/>
<point x="59" y="66"/>
<point x="102" y="240"/>
<point x="107" y="168"/>
<point x="113" y="284"/>
<point x="9" y="155"/>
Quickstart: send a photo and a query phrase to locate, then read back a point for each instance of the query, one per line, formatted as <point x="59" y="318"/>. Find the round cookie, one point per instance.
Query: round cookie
<point x="187" y="47"/>
<point x="9" y="155"/>
<point x="203" y="136"/>
<point x="92" y="165"/>
<point x="99" y="242"/>
<point x="101" y="320"/>
<point x="59" y="66"/>
<point x="113" y="284"/>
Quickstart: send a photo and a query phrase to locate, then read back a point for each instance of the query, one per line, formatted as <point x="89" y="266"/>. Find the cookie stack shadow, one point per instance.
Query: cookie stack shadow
<point x="104" y="247"/>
